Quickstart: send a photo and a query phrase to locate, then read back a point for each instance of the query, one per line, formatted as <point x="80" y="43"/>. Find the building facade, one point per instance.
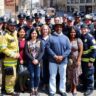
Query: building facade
<point x="1" y="7"/>
<point x="11" y="7"/>
<point x="58" y="4"/>
<point x="81" y="5"/>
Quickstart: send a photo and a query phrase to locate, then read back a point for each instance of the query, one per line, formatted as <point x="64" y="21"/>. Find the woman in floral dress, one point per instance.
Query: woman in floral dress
<point x="74" y="68"/>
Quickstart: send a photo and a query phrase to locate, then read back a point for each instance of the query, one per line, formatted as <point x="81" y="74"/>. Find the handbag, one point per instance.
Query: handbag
<point x="22" y="70"/>
<point x="70" y="61"/>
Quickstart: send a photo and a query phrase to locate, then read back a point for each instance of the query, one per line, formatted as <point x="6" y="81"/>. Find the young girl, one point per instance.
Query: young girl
<point x="34" y="51"/>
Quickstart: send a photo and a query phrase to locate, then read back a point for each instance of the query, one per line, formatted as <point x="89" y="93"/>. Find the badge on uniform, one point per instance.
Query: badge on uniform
<point x="85" y="40"/>
<point x="94" y="42"/>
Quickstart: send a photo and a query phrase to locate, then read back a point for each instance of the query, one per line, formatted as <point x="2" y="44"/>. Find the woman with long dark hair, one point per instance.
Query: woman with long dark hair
<point x="74" y="68"/>
<point x="34" y="51"/>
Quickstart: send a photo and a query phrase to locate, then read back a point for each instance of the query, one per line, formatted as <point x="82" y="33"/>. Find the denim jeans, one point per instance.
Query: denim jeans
<point x="34" y="71"/>
<point x="53" y="67"/>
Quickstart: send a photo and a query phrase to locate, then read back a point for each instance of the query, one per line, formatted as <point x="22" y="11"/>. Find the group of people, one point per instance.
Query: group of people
<point x="64" y="50"/>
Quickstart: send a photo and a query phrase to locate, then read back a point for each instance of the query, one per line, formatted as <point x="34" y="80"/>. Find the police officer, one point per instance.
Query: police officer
<point x="10" y="48"/>
<point x="64" y="24"/>
<point x="70" y="24"/>
<point x="21" y="19"/>
<point x="78" y="23"/>
<point x="65" y="16"/>
<point x="88" y="20"/>
<point x="48" y="22"/>
<point x="88" y="58"/>
<point x="29" y="25"/>
<point x="38" y="17"/>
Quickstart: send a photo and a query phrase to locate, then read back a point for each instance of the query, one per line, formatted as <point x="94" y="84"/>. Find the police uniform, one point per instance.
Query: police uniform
<point x="10" y="49"/>
<point x="48" y="19"/>
<point x="37" y="15"/>
<point x="20" y="16"/>
<point x="67" y="28"/>
<point x="77" y="24"/>
<point x="28" y="28"/>
<point x="88" y="57"/>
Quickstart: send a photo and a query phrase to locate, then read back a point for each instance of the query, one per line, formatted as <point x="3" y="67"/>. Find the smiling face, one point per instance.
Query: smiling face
<point x="73" y="34"/>
<point x="34" y="35"/>
<point x="58" y="28"/>
<point x="21" y="33"/>
<point x="45" y="30"/>
<point x="84" y="30"/>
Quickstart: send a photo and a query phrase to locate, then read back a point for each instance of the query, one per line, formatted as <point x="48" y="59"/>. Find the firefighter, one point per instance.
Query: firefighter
<point x="5" y="20"/>
<point x="88" y="58"/>
<point x="1" y="54"/>
<point x="10" y="49"/>
<point x="88" y="20"/>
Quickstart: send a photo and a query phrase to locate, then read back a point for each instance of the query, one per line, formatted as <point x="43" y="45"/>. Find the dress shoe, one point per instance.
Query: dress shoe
<point x="63" y="94"/>
<point x="51" y="94"/>
<point x="88" y="92"/>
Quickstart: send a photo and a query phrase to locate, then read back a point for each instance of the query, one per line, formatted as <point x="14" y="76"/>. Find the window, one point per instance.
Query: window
<point x="88" y="1"/>
<point x="82" y="8"/>
<point x="68" y="1"/>
<point x="72" y="1"/>
<point x="76" y="1"/>
<point x="68" y="9"/>
<point x="82" y="1"/>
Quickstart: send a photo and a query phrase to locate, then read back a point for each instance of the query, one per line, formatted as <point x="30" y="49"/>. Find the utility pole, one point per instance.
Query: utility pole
<point x="15" y="8"/>
<point x="31" y="8"/>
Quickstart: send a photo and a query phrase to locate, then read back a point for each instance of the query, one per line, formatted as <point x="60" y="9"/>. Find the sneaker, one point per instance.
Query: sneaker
<point x="88" y="92"/>
<point x="63" y="94"/>
<point x="51" y="94"/>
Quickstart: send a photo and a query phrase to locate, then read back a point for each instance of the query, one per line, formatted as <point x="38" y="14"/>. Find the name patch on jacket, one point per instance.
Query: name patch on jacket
<point x="11" y="40"/>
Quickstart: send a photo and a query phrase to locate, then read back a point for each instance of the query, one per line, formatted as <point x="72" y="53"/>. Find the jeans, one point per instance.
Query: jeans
<point x="87" y="76"/>
<point x="53" y="67"/>
<point x="34" y="71"/>
<point x="46" y="71"/>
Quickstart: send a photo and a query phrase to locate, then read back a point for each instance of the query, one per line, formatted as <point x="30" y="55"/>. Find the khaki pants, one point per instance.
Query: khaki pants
<point x="10" y="81"/>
